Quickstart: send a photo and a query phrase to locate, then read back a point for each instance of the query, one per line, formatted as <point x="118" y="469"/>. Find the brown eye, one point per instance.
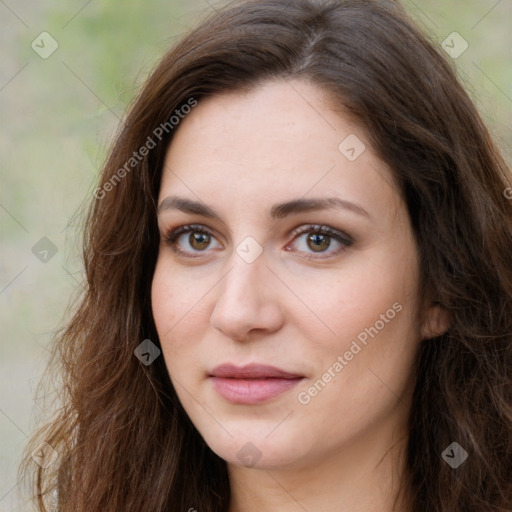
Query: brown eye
<point x="199" y="240"/>
<point x="318" y="239"/>
<point x="319" y="242"/>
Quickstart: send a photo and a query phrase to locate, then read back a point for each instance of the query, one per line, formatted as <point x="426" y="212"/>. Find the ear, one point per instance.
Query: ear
<point x="436" y="322"/>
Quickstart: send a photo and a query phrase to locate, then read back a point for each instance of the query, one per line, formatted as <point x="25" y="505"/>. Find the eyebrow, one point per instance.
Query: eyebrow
<point x="278" y="211"/>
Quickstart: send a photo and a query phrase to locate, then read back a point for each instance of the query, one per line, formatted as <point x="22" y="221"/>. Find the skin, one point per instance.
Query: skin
<point x="241" y="153"/>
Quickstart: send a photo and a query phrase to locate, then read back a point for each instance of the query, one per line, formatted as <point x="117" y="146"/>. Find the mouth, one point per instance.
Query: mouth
<point x="251" y="384"/>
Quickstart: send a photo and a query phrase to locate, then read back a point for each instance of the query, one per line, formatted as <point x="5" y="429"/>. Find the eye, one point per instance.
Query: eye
<point x="319" y="238"/>
<point x="199" y="237"/>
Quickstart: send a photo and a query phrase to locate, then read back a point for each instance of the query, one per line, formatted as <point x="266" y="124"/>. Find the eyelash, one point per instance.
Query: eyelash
<point x="171" y="237"/>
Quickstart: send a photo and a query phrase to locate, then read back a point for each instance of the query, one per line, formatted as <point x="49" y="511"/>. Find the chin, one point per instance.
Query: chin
<point x="253" y="450"/>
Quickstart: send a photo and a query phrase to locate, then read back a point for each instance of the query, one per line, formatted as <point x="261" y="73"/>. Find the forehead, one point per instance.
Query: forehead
<point x="281" y="140"/>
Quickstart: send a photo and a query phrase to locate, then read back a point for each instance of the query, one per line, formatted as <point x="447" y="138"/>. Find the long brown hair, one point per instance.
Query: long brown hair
<point x="123" y="440"/>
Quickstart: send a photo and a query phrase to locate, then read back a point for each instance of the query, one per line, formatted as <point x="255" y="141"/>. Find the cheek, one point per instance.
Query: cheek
<point x="369" y="338"/>
<point x="372" y="352"/>
<point x="334" y="306"/>
<point x="178" y="304"/>
<point x="175" y="298"/>
<point x="163" y="300"/>
<point x="168" y="308"/>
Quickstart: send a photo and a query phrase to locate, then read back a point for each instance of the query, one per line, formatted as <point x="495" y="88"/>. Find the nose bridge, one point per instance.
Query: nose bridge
<point x="244" y="282"/>
<point x="247" y="265"/>
<point x="245" y="298"/>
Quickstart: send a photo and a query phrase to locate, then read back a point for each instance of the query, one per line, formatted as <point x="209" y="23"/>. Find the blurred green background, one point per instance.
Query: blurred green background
<point x="58" y="115"/>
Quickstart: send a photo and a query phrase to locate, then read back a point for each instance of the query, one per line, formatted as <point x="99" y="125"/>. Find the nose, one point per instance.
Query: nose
<point x="248" y="301"/>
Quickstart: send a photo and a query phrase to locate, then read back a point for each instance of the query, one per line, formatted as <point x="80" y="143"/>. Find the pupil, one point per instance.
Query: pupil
<point x="199" y="239"/>
<point x="317" y="240"/>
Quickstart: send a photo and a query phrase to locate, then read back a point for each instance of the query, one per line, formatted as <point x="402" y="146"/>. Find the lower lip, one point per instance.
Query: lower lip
<point x="251" y="391"/>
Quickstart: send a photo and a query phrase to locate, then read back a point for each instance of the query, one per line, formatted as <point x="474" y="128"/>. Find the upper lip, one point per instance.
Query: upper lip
<point x="251" y="371"/>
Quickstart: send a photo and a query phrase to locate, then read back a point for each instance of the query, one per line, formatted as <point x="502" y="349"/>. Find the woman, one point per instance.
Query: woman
<point x="298" y="281"/>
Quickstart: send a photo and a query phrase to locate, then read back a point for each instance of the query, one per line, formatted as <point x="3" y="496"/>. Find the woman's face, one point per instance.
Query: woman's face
<point x="336" y="312"/>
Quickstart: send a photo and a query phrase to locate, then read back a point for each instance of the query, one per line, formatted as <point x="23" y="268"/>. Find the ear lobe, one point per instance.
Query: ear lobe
<point x="437" y="321"/>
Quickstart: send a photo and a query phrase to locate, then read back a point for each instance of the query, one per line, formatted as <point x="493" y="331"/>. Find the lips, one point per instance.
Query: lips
<point x="252" y="371"/>
<point x="251" y="384"/>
